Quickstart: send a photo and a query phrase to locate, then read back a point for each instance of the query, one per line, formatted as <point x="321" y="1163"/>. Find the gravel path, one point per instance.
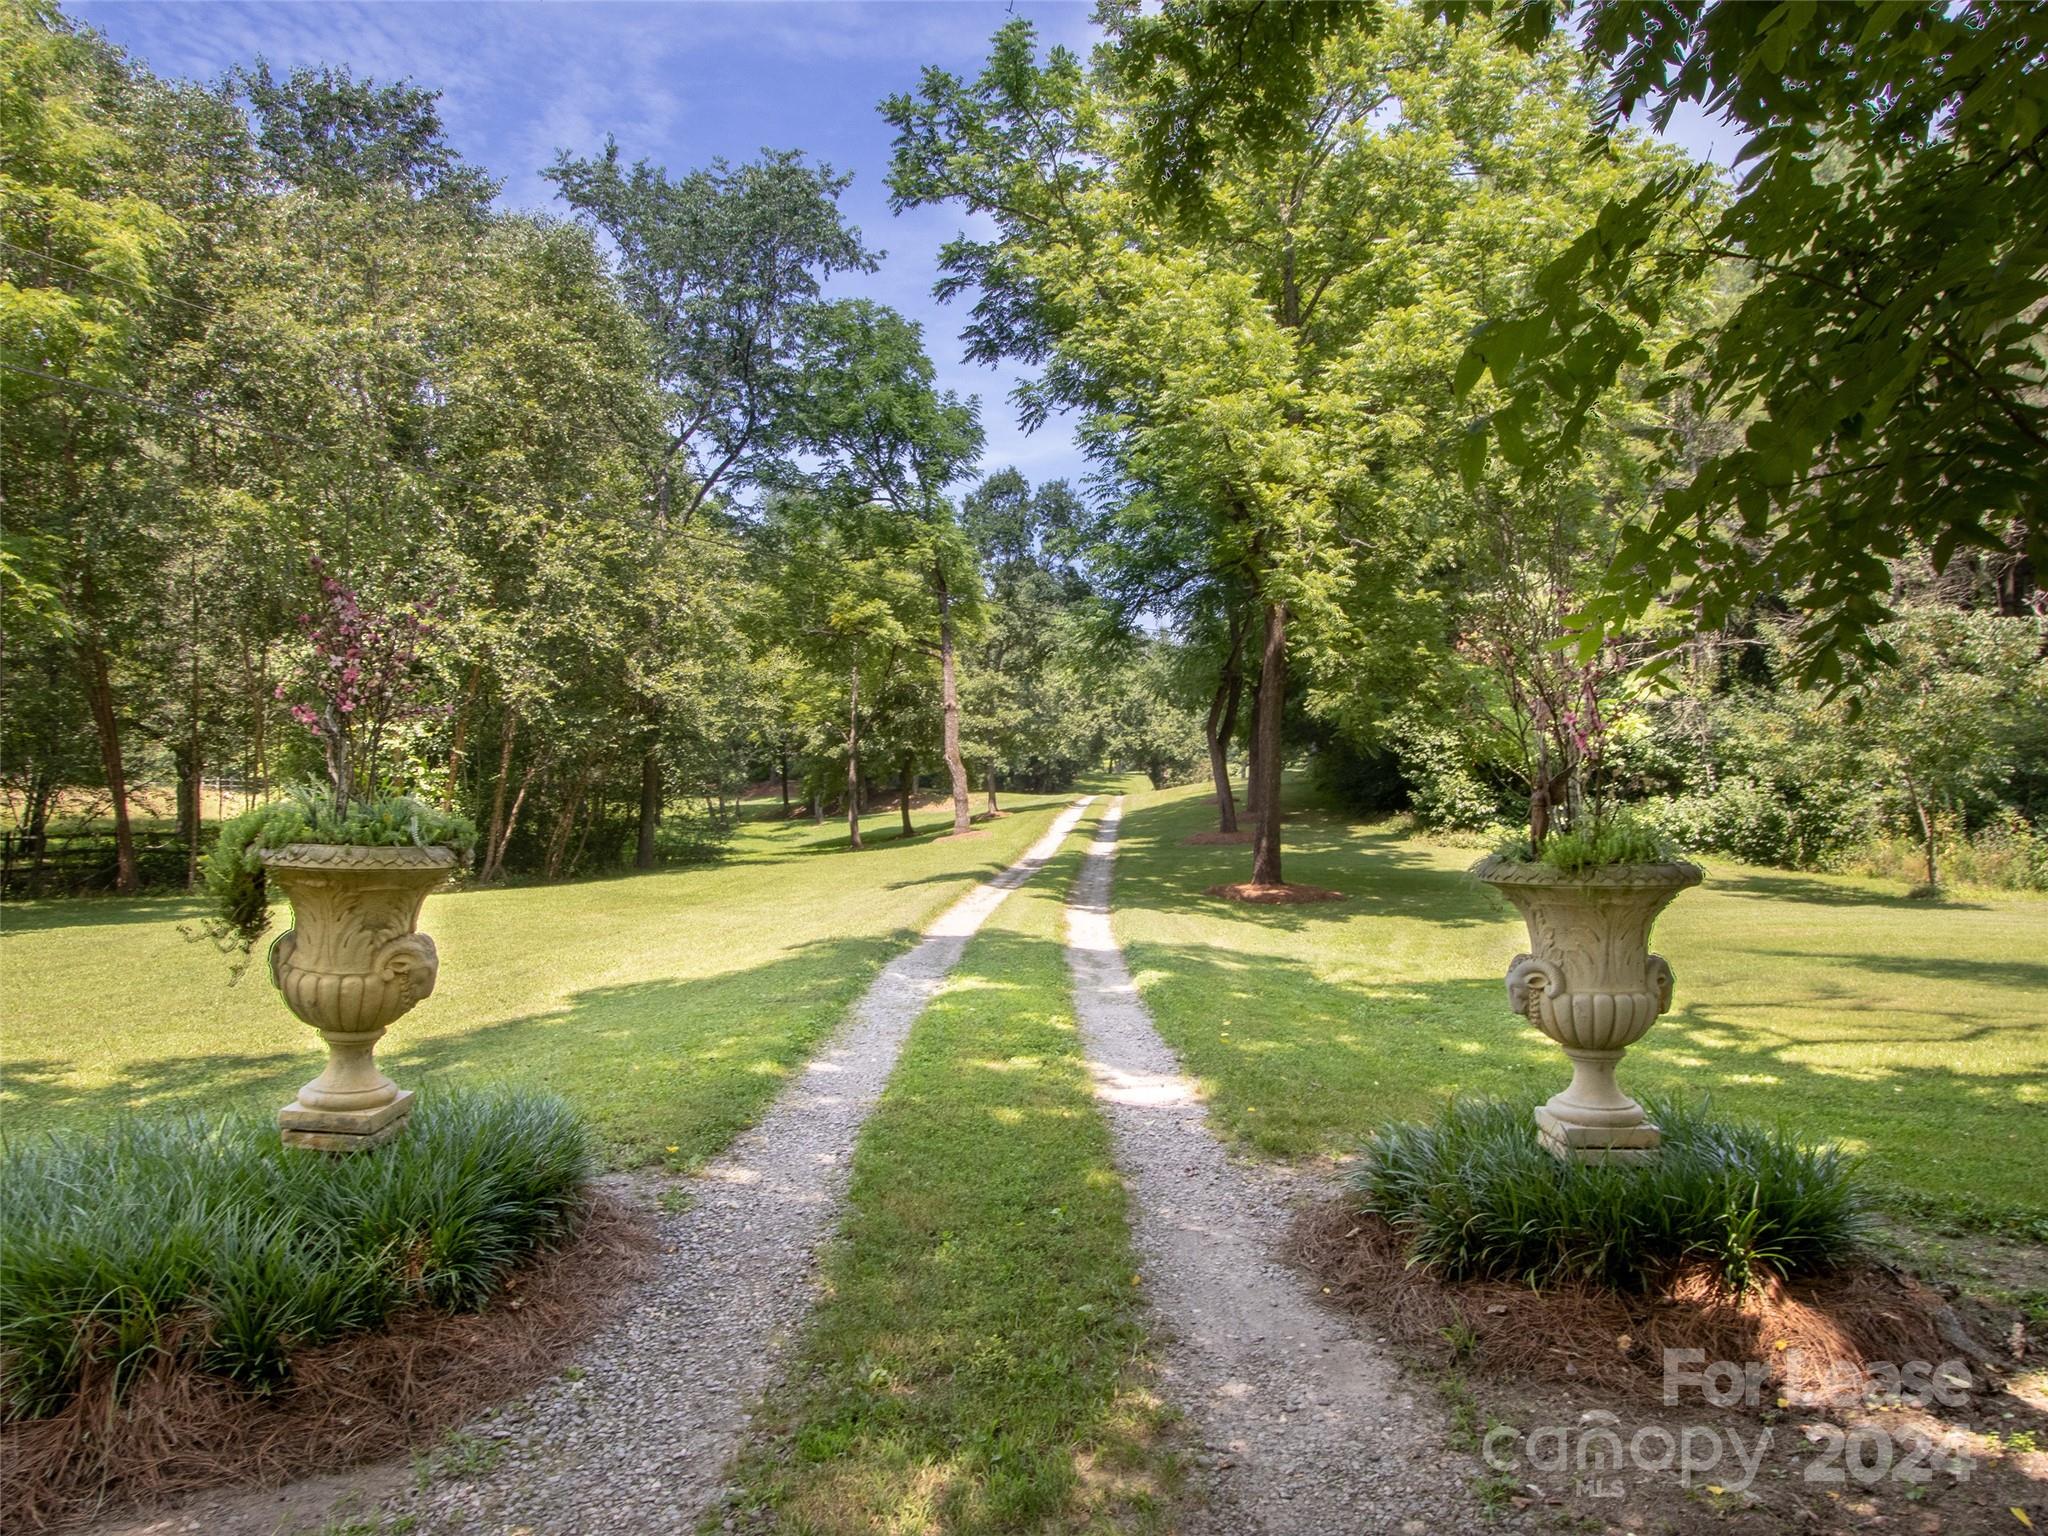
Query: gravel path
<point x="1307" y="1429"/>
<point x="638" y="1444"/>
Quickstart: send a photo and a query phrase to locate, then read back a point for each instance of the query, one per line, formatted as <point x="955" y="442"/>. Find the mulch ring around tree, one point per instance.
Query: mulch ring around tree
<point x="1806" y="1428"/>
<point x="358" y="1399"/>
<point x="1274" y="895"/>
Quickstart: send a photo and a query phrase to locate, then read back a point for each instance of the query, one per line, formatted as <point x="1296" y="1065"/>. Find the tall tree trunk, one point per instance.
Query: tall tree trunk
<point x="36" y="838"/>
<point x="853" y="759"/>
<point x="565" y="823"/>
<point x="1222" y="727"/>
<point x="192" y="768"/>
<point x="949" y="701"/>
<point x="1266" y="748"/>
<point x="507" y="733"/>
<point x="99" y="693"/>
<point x="784" y="760"/>
<point x="191" y="805"/>
<point x="259" y="768"/>
<point x="1927" y="833"/>
<point x="908" y="783"/>
<point x="817" y="807"/>
<point x="458" y="740"/>
<point x="992" y="807"/>
<point x="650" y="808"/>
<point x="497" y="864"/>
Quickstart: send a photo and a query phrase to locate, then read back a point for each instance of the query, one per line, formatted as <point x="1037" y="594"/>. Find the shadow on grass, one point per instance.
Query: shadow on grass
<point x="655" y="1065"/>
<point x="35" y="1092"/>
<point x="1797" y="887"/>
<point x="1378" y="874"/>
<point x="2026" y="975"/>
<point x="22" y="917"/>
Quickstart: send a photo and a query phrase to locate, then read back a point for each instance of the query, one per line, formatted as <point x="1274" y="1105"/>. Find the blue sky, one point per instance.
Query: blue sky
<point x="678" y="84"/>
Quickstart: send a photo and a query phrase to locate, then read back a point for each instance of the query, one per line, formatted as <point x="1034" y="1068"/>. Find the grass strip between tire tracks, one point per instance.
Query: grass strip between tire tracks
<point x="978" y="1361"/>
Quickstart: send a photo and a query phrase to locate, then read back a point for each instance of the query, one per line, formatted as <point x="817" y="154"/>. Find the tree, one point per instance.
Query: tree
<point x="94" y="227"/>
<point x="723" y="266"/>
<point x="851" y="600"/>
<point x="1024" y="706"/>
<point x="322" y="129"/>
<point x="1945" y="719"/>
<point x="1892" y="224"/>
<point x="885" y="435"/>
<point x="1229" y="372"/>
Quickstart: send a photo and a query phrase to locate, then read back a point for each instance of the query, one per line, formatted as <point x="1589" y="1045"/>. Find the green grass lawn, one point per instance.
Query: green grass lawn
<point x="667" y="1006"/>
<point x="976" y="1365"/>
<point x="1914" y="1032"/>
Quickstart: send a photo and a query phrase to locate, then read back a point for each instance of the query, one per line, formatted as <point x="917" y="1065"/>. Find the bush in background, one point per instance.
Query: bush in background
<point x="2007" y="855"/>
<point x="1476" y="1196"/>
<point x="209" y="1244"/>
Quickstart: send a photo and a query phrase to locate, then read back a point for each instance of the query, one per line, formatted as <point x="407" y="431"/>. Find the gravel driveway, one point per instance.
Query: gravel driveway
<point x="637" y="1445"/>
<point x="1307" y="1429"/>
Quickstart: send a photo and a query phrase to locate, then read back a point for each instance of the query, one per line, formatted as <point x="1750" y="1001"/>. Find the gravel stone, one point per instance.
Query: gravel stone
<point x="1308" y="1427"/>
<point x="641" y="1443"/>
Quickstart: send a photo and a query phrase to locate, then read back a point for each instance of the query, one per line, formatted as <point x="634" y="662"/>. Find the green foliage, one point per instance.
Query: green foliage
<point x="1884" y="403"/>
<point x="1889" y="229"/>
<point x="1593" y="844"/>
<point x="1477" y="1196"/>
<point x="321" y="128"/>
<point x="210" y="1245"/>
<point x="723" y="266"/>
<point x="233" y="872"/>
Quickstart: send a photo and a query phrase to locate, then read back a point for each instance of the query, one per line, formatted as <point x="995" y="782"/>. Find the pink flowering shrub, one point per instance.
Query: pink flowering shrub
<point x="361" y="680"/>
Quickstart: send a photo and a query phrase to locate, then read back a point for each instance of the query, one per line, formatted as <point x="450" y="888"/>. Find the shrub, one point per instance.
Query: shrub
<point x="1476" y="1196"/>
<point x="1367" y="780"/>
<point x="235" y="887"/>
<point x="1591" y="845"/>
<point x="2008" y="855"/>
<point x="1447" y="792"/>
<point x="210" y="1245"/>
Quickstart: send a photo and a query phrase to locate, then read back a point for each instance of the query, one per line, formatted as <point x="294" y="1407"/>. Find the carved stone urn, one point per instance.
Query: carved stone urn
<point x="351" y="964"/>
<point x="1592" y="985"/>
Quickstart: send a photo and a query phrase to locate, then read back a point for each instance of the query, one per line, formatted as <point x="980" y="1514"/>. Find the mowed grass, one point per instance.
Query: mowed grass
<point x="1914" y="1032"/>
<point x="668" y="1007"/>
<point x="977" y="1363"/>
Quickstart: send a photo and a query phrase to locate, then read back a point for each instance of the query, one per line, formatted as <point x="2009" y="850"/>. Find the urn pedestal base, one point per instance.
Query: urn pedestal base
<point x="1572" y="1143"/>
<point x="343" y="1130"/>
<point x="352" y="963"/>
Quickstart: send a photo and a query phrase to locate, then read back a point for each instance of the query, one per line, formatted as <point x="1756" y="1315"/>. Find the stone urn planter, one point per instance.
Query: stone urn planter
<point x="350" y="965"/>
<point x="1592" y="985"/>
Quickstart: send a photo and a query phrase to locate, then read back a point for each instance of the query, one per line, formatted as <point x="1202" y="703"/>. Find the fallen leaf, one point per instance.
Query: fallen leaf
<point x="2021" y="1516"/>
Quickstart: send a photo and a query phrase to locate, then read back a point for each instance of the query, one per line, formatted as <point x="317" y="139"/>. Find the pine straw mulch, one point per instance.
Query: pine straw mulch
<point x="1605" y="1340"/>
<point x="1804" y="1456"/>
<point x="356" y="1400"/>
<point x="1274" y="895"/>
